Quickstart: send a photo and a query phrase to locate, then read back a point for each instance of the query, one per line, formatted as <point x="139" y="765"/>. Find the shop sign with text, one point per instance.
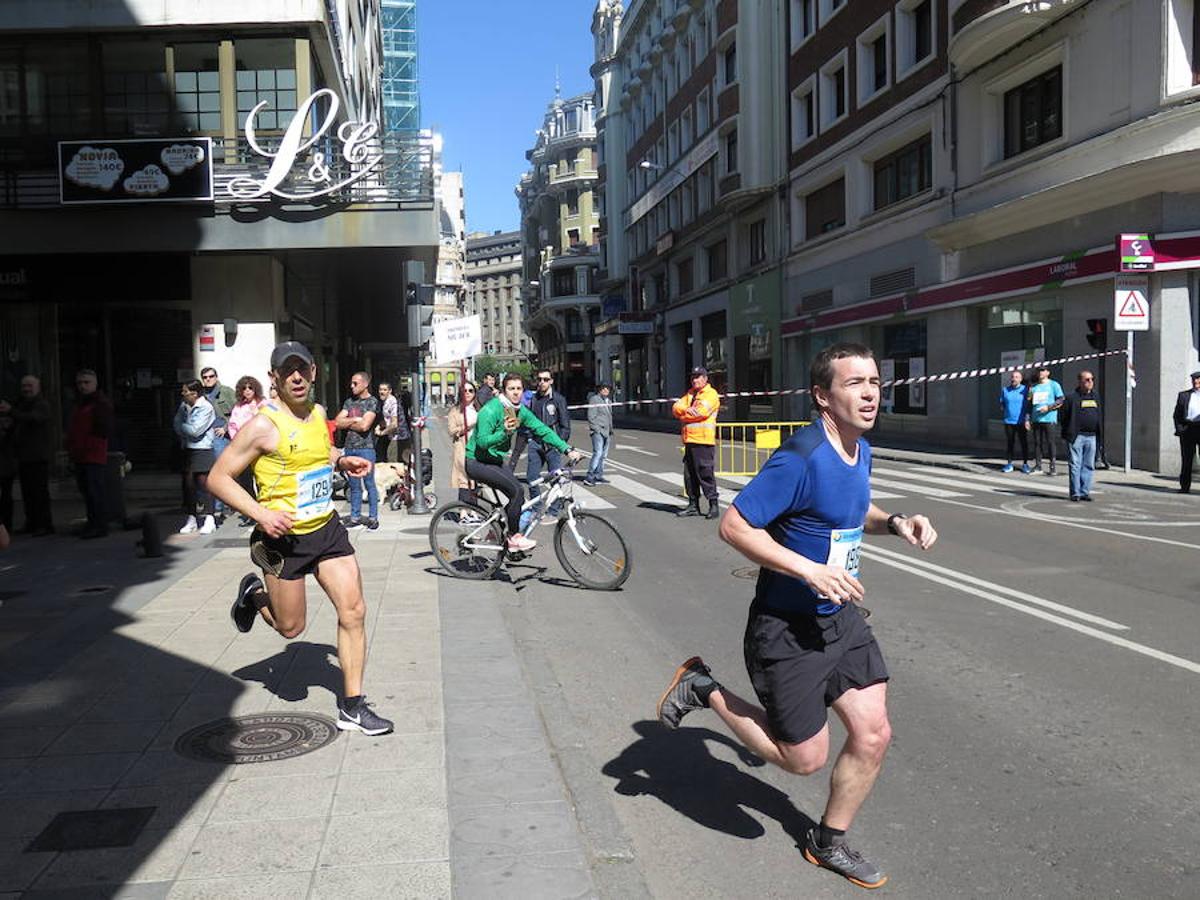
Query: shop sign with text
<point x="135" y="171"/>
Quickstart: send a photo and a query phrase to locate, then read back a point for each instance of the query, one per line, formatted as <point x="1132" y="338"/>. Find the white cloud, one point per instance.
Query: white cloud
<point x="95" y="168"/>
<point x="147" y="182"/>
<point x="178" y="158"/>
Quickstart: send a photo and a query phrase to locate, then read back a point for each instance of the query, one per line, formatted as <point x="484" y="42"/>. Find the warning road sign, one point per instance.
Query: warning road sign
<point x="1131" y="310"/>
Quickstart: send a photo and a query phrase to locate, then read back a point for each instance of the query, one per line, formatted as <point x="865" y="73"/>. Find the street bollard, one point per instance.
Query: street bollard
<point x="151" y="543"/>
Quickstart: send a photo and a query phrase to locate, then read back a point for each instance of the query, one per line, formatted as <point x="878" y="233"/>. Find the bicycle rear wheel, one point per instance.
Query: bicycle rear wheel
<point x="593" y="553"/>
<point x="463" y="544"/>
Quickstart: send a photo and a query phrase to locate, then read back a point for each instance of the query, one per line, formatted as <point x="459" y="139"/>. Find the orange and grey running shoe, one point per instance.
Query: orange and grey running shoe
<point x="680" y="697"/>
<point x="848" y="863"/>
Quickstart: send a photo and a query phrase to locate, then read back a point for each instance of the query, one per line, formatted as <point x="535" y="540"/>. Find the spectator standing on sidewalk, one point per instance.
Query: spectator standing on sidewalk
<point x="600" y="425"/>
<point x="250" y="400"/>
<point x="1045" y="398"/>
<point x="195" y="423"/>
<point x="88" y="433"/>
<point x="8" y="465"/>
<point x="223" y="398"/>
<point x="31" y="446"/>
<point x="387" y="425"/>
<point x="697" y="410"/>
<point x="1014" y="401"/>
<point x="460" y="422"/>
<point x="1080" y="425"/>
<point x="487" y="390"/>
<point x="1187" y="429"/>
<point x="550" y="407"/>
<point x="357" y="419"/>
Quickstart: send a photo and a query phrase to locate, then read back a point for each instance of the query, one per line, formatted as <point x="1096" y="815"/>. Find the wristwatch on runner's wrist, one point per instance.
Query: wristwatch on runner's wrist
<point x="891" y="522"/>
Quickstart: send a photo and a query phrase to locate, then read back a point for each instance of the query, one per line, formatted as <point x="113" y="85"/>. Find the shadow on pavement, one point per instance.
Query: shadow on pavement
<point x="660" y="507"/>
<point x="677" y="768"/>
<point x="292" y="671"/>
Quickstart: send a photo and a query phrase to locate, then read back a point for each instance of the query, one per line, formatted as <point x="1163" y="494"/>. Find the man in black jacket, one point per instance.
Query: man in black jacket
<point x="31" y="444"/>
<point x="1187" y="429"/>
<point x="551" y="407"/>
<point x="1079" y="418"/>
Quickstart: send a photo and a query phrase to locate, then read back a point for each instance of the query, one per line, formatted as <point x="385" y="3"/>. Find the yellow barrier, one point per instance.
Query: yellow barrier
<point x="743" y="447"/>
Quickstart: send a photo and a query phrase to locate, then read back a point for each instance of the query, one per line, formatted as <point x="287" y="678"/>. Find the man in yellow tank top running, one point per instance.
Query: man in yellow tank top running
<point x="298" y="532"/>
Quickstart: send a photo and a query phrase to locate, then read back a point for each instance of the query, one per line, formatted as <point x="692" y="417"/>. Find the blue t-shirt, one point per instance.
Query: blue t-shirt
<point x="813" y="502"/>
<point x="1045" y="395"/>
<point x="1013" y="400"/>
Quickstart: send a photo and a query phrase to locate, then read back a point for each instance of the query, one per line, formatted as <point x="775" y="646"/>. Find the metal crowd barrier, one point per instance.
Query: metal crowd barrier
<point x="743" y="447"/>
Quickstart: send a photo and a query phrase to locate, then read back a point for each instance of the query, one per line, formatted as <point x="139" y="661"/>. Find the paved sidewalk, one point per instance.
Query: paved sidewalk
<point x="96" y="689"/>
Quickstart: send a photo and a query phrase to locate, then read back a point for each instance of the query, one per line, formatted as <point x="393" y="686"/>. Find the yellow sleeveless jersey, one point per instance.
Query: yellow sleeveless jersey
<point x="297" y="478"/>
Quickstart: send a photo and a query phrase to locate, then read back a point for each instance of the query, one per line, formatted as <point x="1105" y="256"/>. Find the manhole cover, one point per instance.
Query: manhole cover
<point x="92" y="829"/>
<point x="260" y="738"/>
<point x="93" y="589"/>
<point x="749" y="572"/>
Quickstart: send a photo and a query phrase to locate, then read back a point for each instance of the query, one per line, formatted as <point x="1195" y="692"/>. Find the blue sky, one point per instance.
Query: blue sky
<point x="487" y="74"/>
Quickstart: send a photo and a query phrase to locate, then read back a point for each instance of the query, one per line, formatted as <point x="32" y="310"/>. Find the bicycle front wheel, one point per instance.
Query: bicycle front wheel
<point x="465" y="543"/>
<point x="593" y="551"/>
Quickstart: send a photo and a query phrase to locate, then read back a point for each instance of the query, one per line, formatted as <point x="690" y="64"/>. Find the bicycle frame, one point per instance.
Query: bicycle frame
<point x="560" y="484"/>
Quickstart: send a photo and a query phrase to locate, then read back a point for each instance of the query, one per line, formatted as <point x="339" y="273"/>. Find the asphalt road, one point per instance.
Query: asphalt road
<point x="1044" y="696"/>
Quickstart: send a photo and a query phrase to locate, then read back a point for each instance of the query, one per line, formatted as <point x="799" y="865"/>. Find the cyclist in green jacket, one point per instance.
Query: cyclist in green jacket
<point x="492" y="436"/>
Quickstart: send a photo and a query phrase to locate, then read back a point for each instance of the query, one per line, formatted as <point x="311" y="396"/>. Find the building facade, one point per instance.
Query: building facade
<point x="560" y="230"/>
<point x="495" y="291"/>
<point x="946" y="185"/>
<point x="692" y="126"/>
<point x="166" y="233"/>
<point x="401" y="96"/>
<point x="450" y="286"/>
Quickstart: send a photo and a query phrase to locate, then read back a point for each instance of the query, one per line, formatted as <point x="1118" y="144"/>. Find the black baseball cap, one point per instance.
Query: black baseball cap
<point x="1195" y="375"/>
<point x="287" y="350"/>
<point x="699" y="370"/>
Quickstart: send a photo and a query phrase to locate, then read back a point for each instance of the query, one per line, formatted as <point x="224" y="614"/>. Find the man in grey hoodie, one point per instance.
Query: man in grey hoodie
<point x="600" y="424"/>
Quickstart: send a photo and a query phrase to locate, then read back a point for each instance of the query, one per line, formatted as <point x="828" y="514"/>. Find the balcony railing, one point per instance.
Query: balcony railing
<point x="402" y="175"/>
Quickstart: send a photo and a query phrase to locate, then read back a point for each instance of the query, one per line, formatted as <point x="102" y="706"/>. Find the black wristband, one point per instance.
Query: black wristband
<point x="891" y="522"/>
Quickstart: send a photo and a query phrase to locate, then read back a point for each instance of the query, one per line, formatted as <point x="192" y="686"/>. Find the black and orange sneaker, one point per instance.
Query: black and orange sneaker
<point x="680" y="697"/>
<point x="848" y="863"/>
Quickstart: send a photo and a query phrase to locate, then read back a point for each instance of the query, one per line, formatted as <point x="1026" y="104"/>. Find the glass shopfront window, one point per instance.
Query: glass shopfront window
<point x="904" y="356"/>
<point x="1032" y="327"/>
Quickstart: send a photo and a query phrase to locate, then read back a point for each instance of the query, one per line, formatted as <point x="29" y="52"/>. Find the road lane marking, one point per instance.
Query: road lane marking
<point x="624" y="467"/>
<point x="884" y="495"/>
<point x="589" y="500"/>
<point x="1161" y="656"/>
<point x="985" y="483"/>
<point x="643" y="492"/>
<point x="635" y="450"/>
<point x="916" y="487"/>
<point x="1023" y="596"/>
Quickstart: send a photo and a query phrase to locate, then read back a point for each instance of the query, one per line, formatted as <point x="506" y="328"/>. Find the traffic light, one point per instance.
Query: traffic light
<point x="1097" y="336"/>
<point x="420" y="314"/>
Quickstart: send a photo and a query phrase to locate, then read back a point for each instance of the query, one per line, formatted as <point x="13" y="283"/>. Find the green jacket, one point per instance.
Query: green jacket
<point x="489" y="441"/>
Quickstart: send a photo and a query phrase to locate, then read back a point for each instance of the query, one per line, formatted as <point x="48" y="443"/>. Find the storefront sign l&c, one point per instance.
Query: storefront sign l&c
<point x="358" y="149"/>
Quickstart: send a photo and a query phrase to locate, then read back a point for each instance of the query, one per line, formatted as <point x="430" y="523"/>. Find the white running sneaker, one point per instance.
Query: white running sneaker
<point x="190" y="526"/>
<point x="209" y="526"/>
<point x="520" y="543"/>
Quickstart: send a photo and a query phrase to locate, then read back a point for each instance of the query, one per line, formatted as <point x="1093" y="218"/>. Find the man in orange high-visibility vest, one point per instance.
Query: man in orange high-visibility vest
<point x="697" y="410"/>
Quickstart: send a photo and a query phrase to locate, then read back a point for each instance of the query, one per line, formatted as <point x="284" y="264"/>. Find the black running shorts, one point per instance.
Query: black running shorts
<point x="799" y="665"/>
<point x="293" y="556"/>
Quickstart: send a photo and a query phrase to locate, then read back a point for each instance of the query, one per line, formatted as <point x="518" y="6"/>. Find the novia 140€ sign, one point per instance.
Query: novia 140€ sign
<point x="356" y="150"/>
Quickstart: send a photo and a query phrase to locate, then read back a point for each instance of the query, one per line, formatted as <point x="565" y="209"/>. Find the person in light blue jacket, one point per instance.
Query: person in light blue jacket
<point x="195" y="422"/>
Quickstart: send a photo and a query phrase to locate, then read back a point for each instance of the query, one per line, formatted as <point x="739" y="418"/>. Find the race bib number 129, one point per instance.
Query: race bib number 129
<point x="314" y="493"/>
<point x="843" y="549"/>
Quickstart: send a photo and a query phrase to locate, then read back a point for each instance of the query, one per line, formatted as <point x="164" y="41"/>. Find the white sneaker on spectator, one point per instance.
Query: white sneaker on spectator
<point x="518" y="542"/>
<point x="209" y="526"/>
<point x="190" y="526"/>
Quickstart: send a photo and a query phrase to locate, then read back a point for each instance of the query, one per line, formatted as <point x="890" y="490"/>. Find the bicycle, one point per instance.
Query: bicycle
<point x="471" y="541"/>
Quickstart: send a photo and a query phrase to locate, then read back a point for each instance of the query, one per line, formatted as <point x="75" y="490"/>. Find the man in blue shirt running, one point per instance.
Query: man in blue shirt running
<point x="807" y="644"/>
<point x="1014" y="401"/>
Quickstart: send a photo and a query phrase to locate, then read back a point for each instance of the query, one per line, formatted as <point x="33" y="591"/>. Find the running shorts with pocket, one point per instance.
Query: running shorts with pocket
<point x="800" y="664"/>
<point x="293" y="556"/>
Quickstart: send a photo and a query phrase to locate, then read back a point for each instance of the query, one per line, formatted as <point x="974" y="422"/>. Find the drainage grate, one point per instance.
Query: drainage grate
<point x="92" y="829"/>
<point x="258" y="738"/>
<point x="748" y="572"/>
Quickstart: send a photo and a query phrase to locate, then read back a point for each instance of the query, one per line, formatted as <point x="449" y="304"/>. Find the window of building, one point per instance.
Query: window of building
<point x="572" y="202"/>
<point x="833" y="90"/>
<point x="914" y="34"/>
<point x="703" y="112"/>
<point x="718" y="261"/>
<point x="687" y="203"/>
<point x="804" y="113"/>
<point x="704" y="188"/>
<point x="827" y="9"/>
<point x="673" y="143"/>
<point x="756" y="241"/>
<point x="684" y="275"/>
<point x="136" y="96"/>
<point x="904" y="353"/>
<point x="686" y="133"/>
<point x="803" y="21"/>
<point x="572" y="237"/>
<point x="57" y="93"/>
<point x="731" y="152"/>
<point x="266" y="72"/>
<point x="562" y="283"/>
<point x="730" y="65"/>
<point x="10" y="91"/>
<point x="198" y="87"/>
<point x="873" y="60"/>
<point x="1033" y="113"/>
<point x="825" y="209"/>
<point x="905" y="173"/>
